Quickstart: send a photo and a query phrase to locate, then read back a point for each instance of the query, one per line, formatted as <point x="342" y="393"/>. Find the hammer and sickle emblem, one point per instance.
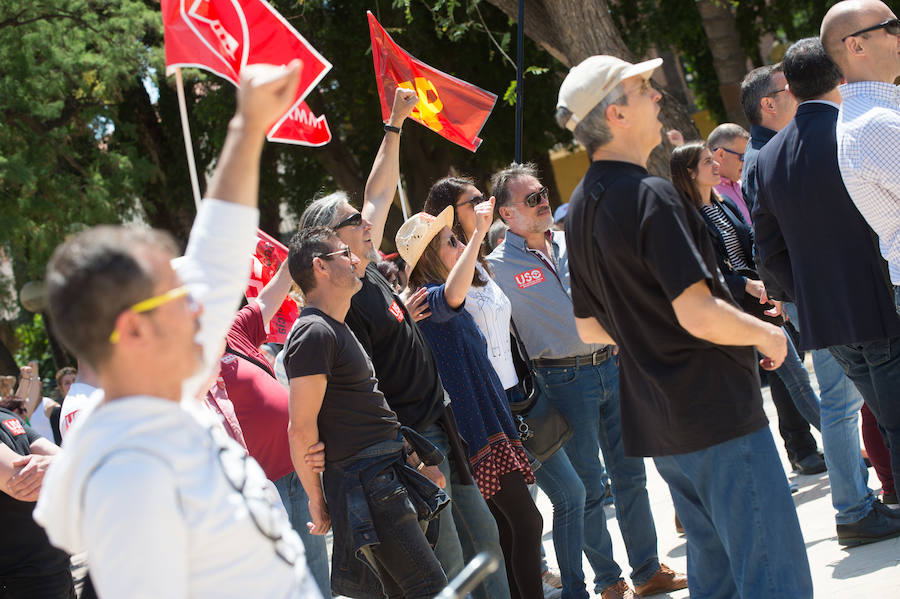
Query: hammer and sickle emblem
<point x="426" y="109"/>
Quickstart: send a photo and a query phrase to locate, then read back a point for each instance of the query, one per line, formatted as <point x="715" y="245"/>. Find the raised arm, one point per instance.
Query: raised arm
<point x="385" y="174"/>
<point x="307" y="393"/>
<point x="272" y="295"/>
<point x="460" y="278"/>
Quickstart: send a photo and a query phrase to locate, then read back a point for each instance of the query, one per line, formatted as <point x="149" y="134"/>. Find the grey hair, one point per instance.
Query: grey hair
<point x="725" y="134"/>
<point x="322" y="212"/>
<point x="500" y="181"/>
<point x="593" y="131"/>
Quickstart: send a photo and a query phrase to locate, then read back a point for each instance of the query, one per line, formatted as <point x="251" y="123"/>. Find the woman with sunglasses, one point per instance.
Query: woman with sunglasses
<point x="694" y="173"/>
<point x="446" y="267"/>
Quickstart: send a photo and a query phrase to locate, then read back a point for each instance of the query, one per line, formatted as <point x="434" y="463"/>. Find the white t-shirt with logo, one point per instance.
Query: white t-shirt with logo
<point x="80" y="398"/>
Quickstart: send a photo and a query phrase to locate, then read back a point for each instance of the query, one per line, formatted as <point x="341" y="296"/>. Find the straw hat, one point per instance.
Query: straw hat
<point x="418" y="231"/>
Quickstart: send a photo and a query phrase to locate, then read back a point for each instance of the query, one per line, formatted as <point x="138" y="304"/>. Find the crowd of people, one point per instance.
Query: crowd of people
<point x="418" y="403"/>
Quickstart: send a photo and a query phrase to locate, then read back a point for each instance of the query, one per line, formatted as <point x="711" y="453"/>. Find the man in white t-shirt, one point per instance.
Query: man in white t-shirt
<point x="83" y="395"/>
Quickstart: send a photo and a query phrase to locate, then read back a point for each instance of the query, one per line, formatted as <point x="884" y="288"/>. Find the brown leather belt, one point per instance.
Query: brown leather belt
<point x="598" y="357"/>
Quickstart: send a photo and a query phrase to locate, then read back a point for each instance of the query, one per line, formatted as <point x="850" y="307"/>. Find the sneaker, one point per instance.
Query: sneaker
<point x="665" y="580"/>
<point x="620" y="590"/>
<point x="814" y="463"/>
<point x="552" y="578"/>
<point x="876" y="526"/>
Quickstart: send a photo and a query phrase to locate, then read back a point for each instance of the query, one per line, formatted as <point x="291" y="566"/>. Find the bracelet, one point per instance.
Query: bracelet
<point x="390" y="128"/>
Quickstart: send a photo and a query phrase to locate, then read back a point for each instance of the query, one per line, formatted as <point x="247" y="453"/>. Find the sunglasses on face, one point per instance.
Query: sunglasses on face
<point x="453" y="241"/>
<point x="345" y="251"/>
<point x="535" y="198"/>
<point x="738" y="154"/>
<point x="474" y="200"/>
<point x="151" y="303"/>
<point x="892" y="26"/>
<point x="354" y="220"/>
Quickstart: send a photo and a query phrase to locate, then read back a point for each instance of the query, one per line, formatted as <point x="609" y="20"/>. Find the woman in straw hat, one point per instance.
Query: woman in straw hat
<point x="445" y="266"/>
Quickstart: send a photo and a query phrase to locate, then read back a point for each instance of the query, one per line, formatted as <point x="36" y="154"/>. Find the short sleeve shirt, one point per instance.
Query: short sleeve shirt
<point x="354" y="413"/>
<point x="404" y="364"/>
<point x="633" y="249"/>
<point x="260" y="402"/>
<point x="27" y="550"/>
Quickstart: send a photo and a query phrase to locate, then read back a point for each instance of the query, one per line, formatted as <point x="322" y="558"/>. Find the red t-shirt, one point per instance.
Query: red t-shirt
<point x="260" y="402"/>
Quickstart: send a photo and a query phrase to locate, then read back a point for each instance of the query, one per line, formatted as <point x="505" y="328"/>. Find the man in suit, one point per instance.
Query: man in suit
<point x="813" y="241"/>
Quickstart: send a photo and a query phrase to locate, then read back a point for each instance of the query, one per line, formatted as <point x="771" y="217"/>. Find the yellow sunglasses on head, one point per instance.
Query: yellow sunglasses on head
<point x="150" y="303"/>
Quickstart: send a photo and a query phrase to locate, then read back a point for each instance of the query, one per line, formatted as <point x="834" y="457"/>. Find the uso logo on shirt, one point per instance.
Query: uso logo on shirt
<point x="529" y="278"/>
<point x="14" y="426"/>
<point x="396" y="311"/>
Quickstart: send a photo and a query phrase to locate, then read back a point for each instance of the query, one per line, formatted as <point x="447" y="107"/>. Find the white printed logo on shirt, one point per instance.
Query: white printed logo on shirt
<point x="529" y="278"/>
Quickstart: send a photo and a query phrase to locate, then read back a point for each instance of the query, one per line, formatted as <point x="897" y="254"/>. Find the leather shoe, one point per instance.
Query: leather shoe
<point x="620" y="590"/>
<point x="666" y="579"/>
<point x="814" y="463"/>
<point x="885" y="510"/>
<point x="876" y="526"/>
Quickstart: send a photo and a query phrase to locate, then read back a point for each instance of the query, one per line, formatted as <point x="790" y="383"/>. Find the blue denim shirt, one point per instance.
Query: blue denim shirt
<point x="348" y="491"/>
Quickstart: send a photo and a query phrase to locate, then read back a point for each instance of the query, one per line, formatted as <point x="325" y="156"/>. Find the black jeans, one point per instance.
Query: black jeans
<point x="403" y="558"/>
<point x="47" y="586"/>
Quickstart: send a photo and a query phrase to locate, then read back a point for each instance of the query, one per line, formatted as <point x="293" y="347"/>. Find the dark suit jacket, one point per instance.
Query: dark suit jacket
<point x="813" y="240"/>
<point x="736" y="283"/>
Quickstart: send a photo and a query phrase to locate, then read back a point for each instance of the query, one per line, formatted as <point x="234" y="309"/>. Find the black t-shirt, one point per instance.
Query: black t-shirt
<point x="404" y="364"/>
<point x="634" y="248"/>
<point x="354" y="414"/>
<point x="26" y="549"/>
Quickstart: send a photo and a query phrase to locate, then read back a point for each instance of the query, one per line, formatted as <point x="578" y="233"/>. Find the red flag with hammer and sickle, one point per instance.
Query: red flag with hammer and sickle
<point x="448" y="106"/>
<point x="223" y="36"/>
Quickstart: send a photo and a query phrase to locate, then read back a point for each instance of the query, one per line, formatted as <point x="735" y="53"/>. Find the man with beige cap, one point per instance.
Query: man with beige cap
<point x="644" y="276"/>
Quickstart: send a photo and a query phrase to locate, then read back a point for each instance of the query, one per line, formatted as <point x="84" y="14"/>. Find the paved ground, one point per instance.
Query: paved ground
<point x="866" y="571"/>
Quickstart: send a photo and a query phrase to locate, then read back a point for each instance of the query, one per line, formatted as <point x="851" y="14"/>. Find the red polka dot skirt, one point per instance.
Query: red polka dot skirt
<point x="501" y="456"/>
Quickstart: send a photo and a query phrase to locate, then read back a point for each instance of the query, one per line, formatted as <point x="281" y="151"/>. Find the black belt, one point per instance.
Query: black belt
<point x="598" y="357"/>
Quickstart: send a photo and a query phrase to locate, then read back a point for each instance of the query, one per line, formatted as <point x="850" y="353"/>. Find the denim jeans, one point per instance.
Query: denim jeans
<point x="839" y="412"/>
<point x="296" y="502"/>
<point x="589" y="397"/>
<point x="743" y="537"/>
<point x="468" y="527"/>
<point x="795" y="377"/>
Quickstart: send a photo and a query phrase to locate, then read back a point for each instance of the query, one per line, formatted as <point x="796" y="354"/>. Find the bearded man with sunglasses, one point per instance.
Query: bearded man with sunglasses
<point x="863" y="38"/>
<point x="581" y="379"/>
<point x="164" y="503"/>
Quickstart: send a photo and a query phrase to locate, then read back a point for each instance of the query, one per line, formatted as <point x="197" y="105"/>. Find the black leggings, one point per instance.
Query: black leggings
<point x="520" y="525"/>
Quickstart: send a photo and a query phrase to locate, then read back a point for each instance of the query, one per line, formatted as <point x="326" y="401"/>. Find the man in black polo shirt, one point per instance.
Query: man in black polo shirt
<point x="29" y="565"/>
<point x="644" y="276"/>
<point x="405" y="367"/>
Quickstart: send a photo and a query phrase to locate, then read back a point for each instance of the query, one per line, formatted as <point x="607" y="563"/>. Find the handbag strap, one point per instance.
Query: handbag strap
<point x="523" y="353"/>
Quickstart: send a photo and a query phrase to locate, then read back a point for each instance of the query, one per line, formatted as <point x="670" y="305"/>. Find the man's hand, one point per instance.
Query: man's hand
<point x="776" y="310"/>
<point x="434" y="474"/>
<point x="321" y="519"/>
<point x="315" y="457"/>
<point x="773" y="348"/>
<point x="265" y="93"/>
<point x="405" y="101"/>
<point x="417" y="305"/>
<point x="25" y="484"/>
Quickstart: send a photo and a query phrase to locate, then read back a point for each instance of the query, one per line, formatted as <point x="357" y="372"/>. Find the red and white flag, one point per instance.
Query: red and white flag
<point x="269" y="255"/>
<point x="223" y="36"/>
<point x="448" y="106"/>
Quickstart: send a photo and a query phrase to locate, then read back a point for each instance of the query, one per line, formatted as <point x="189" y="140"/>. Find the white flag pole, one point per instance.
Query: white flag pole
<point x="186" y="132"/>
<point x="403" y="205"/>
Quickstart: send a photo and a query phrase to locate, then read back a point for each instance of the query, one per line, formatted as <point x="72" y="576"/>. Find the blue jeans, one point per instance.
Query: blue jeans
<point x="296" y="502"/>
<point x="743" y="537"/>
<point x="588" y="396"/>
<point x="467" y="527"/>
<point x="839" y="412"/>
<point x="795" y="377"/>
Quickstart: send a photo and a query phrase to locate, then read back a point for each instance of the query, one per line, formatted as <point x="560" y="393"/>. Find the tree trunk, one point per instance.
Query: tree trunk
<point x="572" y="30"/>
<point x="728" y="57"/>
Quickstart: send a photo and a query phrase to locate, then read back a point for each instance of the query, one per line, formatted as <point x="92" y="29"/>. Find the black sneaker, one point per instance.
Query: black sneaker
<point x="885" y="510"/>
<point x="876" y="526"/>
<point x="814" y="463"/>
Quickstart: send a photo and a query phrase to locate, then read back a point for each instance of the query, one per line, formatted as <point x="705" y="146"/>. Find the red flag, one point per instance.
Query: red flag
<point x="269" y="255"/>
<point x="223" y="36"/>
<point x="448" y="106"/>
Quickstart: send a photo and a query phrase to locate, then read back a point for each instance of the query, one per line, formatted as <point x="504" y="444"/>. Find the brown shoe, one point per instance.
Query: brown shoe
<point x="620" y="590"/>
<point x="666" y="579"/>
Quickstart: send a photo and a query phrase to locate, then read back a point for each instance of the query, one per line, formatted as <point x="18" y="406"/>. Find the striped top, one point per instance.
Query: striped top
<point x="736" y="256"/>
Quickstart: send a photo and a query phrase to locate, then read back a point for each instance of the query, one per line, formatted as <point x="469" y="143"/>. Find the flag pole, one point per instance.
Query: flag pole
<point x="520" y="65"/>
<point x="186" y="132"/>
<point x="403" y="205"/>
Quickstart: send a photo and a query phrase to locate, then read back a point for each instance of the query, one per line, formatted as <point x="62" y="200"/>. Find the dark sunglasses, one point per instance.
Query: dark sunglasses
<point x="892" y="26"/>
<point x="535" y="198"/>
<point x="354" y="220"/>
<point x="738" y="154"/>
<point x="474" y="200"/>
<point x="345" y="251"/>
<point x="453" y="241"/>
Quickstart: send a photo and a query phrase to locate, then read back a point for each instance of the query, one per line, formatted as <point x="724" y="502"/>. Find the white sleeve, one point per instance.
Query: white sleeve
<point x="215" y="268"/>
<point x="134" y="529"/>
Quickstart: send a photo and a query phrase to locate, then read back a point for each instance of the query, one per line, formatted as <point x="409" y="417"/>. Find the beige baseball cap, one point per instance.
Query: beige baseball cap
<point x="590" y="81"/>
<point x="418" y="231"/>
